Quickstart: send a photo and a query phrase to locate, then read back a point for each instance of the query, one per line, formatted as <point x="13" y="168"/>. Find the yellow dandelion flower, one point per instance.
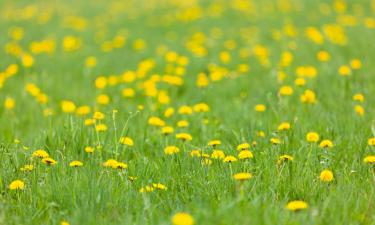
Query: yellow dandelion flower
<point x="359" y="97"/>
<point x="297" y="205"/>
<point x="326" y="176"/>
<point x="243" y="146"/>
<point x="286" y="91"/>
<point x="245" y="154"/>
<point x="260" y="108"/>
<point x="242" y="176"/>
<point x="184" y="136"/>
<point x="371" y="141"/>
<point x="284" y="126"/>
<point x="156" y="121"/>
<point x="201" y="107"/>
<point x="68" y="106"/>
<point x="369" y="159"/>
<point x="167" y="130"/>
<point x="214" y="143"/>
<point x="27" y="168"/>
<point x="126" y="141"/>
<point x="170" y="150"/>
<point x="49" y="161"/>
<point x="159" y="186"/>
<point x="312" y="137"/>
<point x="101" y="127"/>
<point x="40" y="154"/>
<point x="110" y="163"/>
<point x="229" y="159"/>
<point x="275" y="141"/>
<point x="217" y="154"/>
<point x="195" y="153"/>
<point x="17" y="185"/>
<point x="182" y="218"/>
<point x="9" y="103"/>
<point x="75" y="164"/>
<point x="89" y="149"/>
<point x="326" y="144"/>
<point x="182" y="123"/>
<point x="284" y="158"/>
<point x="185" y="110"/>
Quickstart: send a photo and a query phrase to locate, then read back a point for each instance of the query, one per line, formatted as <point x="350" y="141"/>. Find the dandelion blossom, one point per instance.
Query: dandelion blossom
<point x="326" y="176"/>
<point x="297" y="205"/>
<point x="182" y="218"/>
<point x="17" y="185"/>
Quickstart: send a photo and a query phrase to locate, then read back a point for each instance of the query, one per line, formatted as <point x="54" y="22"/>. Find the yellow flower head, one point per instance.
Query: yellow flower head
<point x="167" y="130"/>
<point x="182" y="218"/>
<point x="369" y="159"/>
<point x="49" y="161"/>
<point x="185" y="110"/>
<point x="245" y="154"/>
<point x="286" y="91"/>
<point x="359" y="97"/>
<point x="159" y="186"/>
<point x="83" y="110"/>
<point x="308" y="97"/>
<point x="89" y="149"/>
<point x="98" y="116"/>
<point x="170" y="150"/>
<point x="68" y="106"/>
<point x="76" y="164"/>
<point x="260" y="108"/>
<point x="371" y="141"/>
<point x="101" y="127"/>
<point x="17" y="185"/>
<point x="275" y="141"/>
<point x="326" y="144"/>
<point x="126" y="141"/>
<point x="156" y="121"/>
<point x="214" y="143"/>
<point x="284" y="126"/>
<point x="195" y="153"/>
<point x="326" y="176"/>
<point x="184" y="136"/>
<point x="312" y="137"/>
<point x="218" y="154"/>
<point x="243" y="146"/>
<point x="284" y="158"/>
<point x="27" y="168"/>
<point x="242" y="176"/>
<point x="110" y="163"/>
<point x="201" y="107"/>
<point x="40" y="154"/>
<point x="9" y="103"/>
<point x="229" y="159"/>
<point x="297" y="205"/>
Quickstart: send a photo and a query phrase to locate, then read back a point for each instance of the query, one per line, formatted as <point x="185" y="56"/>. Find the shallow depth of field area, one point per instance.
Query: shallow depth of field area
<point x="217" y="112"/>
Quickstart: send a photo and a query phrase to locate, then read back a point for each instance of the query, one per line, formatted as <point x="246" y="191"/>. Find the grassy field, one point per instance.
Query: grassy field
<point x="187" y="112"/>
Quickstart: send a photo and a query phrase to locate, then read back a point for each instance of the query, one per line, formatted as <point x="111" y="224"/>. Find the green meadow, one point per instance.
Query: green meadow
<point x="187" y="112"/>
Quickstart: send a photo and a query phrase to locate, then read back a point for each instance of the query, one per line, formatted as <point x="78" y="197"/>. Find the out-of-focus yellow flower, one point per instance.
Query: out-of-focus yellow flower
<point x="68" y="106"/>
<point x="170" y="150"/>
<point x="326" y="176"/>
<point x="126" y="141"/>
<point x="9" y="103"/>
<point x="182" y="218"/>
<point x="297" y="205"/>
<point x="260" y="108"/>
<point x="242" y="176"/>
<point x="76" y="164"/>
<point x="17" y="185"/>
<point x="312" y="137"/>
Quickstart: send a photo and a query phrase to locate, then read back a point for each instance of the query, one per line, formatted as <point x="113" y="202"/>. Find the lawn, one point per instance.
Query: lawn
<point x="187" y="112"/>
